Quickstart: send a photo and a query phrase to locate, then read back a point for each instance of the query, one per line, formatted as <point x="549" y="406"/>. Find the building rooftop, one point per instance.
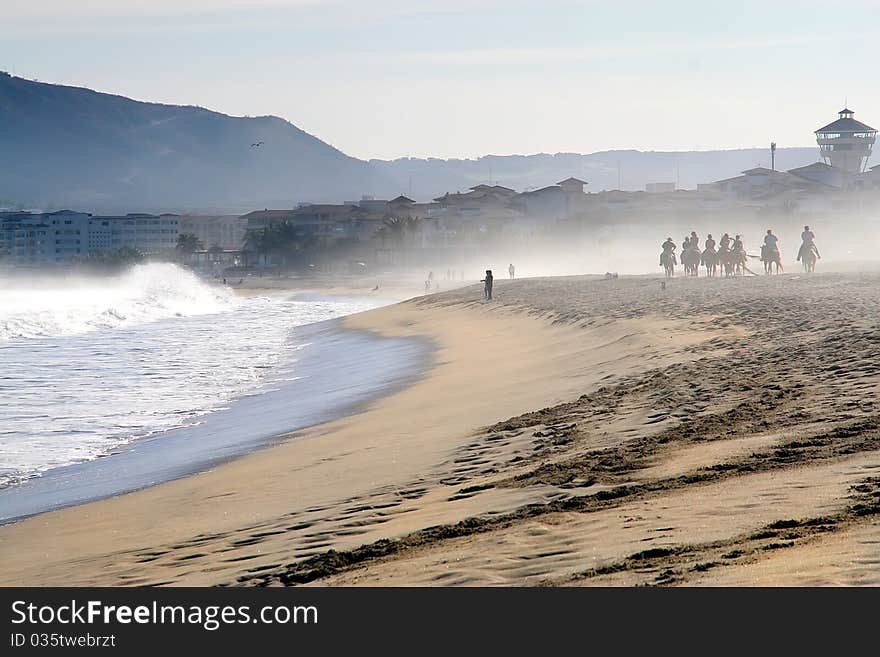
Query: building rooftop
<point x="401" y="199"/>
<point x="543" y="190"/>
<point x="267" y="213"/>
<point x="325" y="207"/>
<point x="846" y="124"/>
<point x="573" y="180"/>
<point x="811" y="166"/>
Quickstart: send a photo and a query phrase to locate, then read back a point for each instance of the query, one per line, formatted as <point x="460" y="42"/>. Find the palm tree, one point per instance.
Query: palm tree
<point x="394" y="228"/>
<point x="188" y="243"/>
<point x="413" y="226"/>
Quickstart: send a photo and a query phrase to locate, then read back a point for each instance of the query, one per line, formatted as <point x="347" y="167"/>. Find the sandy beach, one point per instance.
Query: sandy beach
<point x="573" y="431"/>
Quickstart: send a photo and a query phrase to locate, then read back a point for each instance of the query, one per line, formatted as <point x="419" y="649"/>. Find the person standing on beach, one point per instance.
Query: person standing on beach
<point x="511" y="270"/>
<point x="488" y="281"/>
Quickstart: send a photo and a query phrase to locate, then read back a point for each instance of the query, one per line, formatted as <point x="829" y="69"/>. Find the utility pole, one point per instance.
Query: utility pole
<point x="773" y="156"/>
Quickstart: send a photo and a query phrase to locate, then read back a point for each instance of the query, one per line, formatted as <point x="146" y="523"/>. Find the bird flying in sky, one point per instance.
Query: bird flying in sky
<point x="257" y="144"/>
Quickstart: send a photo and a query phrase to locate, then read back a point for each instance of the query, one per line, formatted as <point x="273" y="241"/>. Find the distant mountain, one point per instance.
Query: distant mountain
<point x="422" y="178"/>
<point x="70" y="147"/>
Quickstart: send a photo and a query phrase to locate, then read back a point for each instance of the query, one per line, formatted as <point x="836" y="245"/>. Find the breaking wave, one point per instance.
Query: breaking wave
<point x="145" y="293"/>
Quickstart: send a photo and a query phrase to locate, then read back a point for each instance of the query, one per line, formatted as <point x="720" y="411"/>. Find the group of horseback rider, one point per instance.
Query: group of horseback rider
<point x="731" y="254"/>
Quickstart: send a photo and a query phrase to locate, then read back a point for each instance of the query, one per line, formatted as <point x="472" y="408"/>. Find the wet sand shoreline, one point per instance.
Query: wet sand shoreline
<point x="715" y="432"/>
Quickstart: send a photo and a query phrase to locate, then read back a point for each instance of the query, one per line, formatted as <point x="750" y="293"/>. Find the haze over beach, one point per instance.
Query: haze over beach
<point x="551" y="294"/>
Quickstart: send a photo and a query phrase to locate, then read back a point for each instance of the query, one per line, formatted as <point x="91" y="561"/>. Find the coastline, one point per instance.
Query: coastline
<point x="641" y="466"/>
<point x="373" y="366"/>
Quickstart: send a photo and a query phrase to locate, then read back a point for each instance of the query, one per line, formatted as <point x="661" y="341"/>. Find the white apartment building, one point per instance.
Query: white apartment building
<point x="45" y="238"/>
<point x="148" y="233"/>
<point x="226" y="231"/>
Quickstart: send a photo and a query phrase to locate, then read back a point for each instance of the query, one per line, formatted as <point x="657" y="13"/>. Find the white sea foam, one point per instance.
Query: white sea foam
<point x="88" y="365"/>
<point x="145" y="293"/>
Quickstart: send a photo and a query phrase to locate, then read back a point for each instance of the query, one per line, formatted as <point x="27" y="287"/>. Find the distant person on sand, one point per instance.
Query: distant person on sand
<point x="430" y="276"/>
<point x="512" y="271"/>
<point x="427" y="287"/>
<point x="488" y="282"/>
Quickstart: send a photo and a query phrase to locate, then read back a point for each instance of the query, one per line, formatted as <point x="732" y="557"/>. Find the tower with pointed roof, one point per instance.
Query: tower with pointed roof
<point x="846" y="143"/>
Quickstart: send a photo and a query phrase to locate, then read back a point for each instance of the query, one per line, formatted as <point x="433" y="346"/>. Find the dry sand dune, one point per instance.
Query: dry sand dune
<point x="572" y="431"/>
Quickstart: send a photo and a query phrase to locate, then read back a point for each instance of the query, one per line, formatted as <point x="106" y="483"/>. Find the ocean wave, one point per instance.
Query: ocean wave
<point x="145" y="293"/>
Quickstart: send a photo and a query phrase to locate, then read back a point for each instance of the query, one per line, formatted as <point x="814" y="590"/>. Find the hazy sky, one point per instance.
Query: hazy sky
<point x="455" y="78"/>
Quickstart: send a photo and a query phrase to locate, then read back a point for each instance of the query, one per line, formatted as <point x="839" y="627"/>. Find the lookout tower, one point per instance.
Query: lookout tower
<point x="846" y="143"/>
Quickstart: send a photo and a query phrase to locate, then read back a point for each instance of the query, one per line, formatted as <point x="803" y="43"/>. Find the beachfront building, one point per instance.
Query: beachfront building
<point x="148" y="233"/>
<point x="39" y="239"/>
<point x="24" y="239"/>
<point x="846" y="144"/>
<point x="555" y="203"/>
<point x="224" y="231"/>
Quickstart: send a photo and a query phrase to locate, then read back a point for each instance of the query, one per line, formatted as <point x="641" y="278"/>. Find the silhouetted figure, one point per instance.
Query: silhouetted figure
<point x="427" y="287"/>
<point x="488" y="281"/>
<point x="808" y="242"/>
<point x="512" y="271"/>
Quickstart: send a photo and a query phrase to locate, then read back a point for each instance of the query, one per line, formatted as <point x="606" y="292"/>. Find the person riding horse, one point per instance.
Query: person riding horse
<point x="667" y="257"/>
<point x="668" y="250"/>
<point x="808" y="243"/>
<point x="770" y="252"/>
<point x="709" y="256"/>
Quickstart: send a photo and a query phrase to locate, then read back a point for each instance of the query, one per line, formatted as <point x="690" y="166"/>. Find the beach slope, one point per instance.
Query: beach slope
<point x="572" y="431"/>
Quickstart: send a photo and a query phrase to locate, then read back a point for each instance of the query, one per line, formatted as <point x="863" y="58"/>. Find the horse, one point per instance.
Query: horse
<point x="725" y="258"/>
<point x="667" y="259"/>
<point x="709" y="259"/>
<point x="770" y="255"/>
<point x="809" y="256"/>
<point x="690" y="259"/>
<point x="738" y="260"/>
